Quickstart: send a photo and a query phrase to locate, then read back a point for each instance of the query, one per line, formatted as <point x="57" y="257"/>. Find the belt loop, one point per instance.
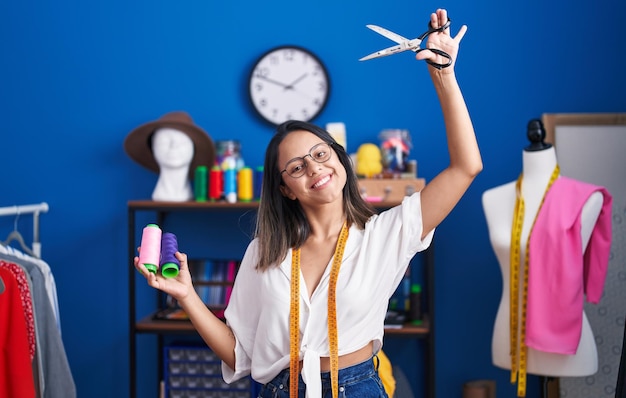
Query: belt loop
<point x="377" y="362"/>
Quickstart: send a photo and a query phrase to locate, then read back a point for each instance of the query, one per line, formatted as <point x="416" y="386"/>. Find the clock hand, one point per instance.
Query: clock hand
<point x="290" y="86"/>
<point x="274" y="81"/>
<point x="287" y="86"/>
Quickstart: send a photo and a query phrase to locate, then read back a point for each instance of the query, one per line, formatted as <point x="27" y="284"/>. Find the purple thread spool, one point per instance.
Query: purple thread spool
<point x="150" y="247"/>
<point x="169" y="263"/>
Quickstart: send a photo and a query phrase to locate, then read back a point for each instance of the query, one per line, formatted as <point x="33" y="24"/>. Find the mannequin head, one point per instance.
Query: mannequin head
<point x="172" y="149"/>
<point x="173" y="152"/>
<point x="536" y="134"/>
<point x="173" y="146"/>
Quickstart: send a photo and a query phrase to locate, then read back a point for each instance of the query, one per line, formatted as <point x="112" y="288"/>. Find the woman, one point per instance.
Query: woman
<point x="312" y="221"/>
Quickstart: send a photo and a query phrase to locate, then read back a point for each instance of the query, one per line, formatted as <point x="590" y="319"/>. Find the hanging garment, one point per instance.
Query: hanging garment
<point x="49" y="282"/>
<point x="16" y="372"/>
<point x="559" y="273"/>
<point x="55" y="376"/>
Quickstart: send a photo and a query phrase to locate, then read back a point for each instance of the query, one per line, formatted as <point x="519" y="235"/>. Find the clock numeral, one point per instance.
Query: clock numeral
<point x="274" y="59"/>
<point x="261" y="72"/>
<point x="288" y="55"/>
<point x="305" y="114"/>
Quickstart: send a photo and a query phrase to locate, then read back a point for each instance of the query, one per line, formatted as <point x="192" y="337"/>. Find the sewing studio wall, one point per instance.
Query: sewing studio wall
<point x="35" y="364"/>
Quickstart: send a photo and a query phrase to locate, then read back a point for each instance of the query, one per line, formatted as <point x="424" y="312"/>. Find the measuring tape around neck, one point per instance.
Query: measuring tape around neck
<point x="517" y="343"/>
<point x="294" y="317"/>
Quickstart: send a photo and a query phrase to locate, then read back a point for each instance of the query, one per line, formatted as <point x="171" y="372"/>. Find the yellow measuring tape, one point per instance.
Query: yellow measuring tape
<point x="294" y="317"/>
<point x="518" y="345"/>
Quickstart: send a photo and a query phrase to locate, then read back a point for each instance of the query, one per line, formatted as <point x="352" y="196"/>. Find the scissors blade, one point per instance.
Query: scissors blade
<point x="403" y="43"/>
<point x="387" y="33"/>
<point x="385" y="52"/>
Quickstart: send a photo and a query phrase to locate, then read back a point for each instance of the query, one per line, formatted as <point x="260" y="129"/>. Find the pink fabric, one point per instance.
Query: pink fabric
<point x="559" y="273"/>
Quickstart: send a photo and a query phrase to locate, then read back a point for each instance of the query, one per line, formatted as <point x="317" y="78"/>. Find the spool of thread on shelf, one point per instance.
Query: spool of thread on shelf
<point x="230" y="185"/>
<point x="258" y="182"/>
<point x="200" y="183"/>
<point x="169" y="263"/>
<point x="244" y="184"/>
<point x="216" y="183"/>
<point x="150" y="252"/>
<point x="415" y="309"/>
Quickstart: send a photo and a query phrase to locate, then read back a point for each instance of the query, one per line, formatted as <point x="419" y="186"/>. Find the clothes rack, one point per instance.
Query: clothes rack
<point x="36" y="348"/>
<point x="35" y="210"/>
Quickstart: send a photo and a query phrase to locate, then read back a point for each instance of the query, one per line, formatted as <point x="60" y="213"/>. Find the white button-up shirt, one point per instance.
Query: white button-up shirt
<point x="374" y="262"/>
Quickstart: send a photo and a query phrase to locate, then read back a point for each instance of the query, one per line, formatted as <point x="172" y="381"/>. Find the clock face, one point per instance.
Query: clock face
<point x="288" y="82"/>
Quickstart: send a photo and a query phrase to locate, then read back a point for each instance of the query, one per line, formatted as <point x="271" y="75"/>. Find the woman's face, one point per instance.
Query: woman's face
<point x="322" y="180"/>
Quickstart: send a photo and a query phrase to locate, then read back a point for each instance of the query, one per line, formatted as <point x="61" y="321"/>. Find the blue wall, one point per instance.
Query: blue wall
<point x="76" y="77"/>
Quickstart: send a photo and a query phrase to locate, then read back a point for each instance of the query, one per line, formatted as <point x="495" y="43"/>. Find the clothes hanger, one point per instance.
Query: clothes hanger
<point x="15" y="235"/>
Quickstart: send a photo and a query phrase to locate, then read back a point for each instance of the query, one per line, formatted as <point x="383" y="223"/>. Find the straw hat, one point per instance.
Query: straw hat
<point x="138" y="143"/>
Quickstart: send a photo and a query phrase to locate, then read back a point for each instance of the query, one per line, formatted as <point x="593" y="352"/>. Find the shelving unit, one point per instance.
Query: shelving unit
<point x="146" y="324"/>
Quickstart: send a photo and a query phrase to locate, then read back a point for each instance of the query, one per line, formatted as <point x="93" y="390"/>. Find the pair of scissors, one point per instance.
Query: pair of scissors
<point x="406" y="44"/>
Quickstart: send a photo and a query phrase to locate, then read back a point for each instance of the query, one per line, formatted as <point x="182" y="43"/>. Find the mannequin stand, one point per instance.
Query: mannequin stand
<point x="549" y="387"/>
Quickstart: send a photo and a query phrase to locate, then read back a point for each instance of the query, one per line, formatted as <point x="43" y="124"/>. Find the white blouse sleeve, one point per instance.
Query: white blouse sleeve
<point x="396" y="234"/>
<point x="242" y="314"/>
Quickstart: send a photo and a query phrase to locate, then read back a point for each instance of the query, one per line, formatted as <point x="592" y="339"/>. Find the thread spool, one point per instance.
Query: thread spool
<point x="244" y="184"/>
<point x="415" y="307"/>
<point x="258" y="182"/>
<point x="200" y="184"/>
<point x="150" y="253"/>
<point x="230" y="185"/>
<point x="216" y="183"/>
<point x="169" y="263"/>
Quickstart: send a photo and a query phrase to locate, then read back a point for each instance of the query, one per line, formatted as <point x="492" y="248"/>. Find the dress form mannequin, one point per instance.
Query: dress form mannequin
<point x="539" y="161"/>
<point x="173" y="151"/>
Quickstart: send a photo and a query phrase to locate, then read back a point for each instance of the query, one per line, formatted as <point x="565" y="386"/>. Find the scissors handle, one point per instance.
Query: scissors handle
<point x="435" y="50"/>
<point x="438" y="52"/>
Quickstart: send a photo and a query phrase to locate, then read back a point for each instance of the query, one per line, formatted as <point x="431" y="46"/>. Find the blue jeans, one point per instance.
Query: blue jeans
<point x="360" y="381"/>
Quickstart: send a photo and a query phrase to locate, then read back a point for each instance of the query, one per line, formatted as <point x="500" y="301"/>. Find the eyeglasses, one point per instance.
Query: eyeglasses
<point x="296" y="167"/>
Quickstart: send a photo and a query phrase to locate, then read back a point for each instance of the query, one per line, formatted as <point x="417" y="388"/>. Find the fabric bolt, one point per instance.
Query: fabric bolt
<point x="560" y="275"/>
<point x="374" y="263"/>
<point x="15" y="362"/>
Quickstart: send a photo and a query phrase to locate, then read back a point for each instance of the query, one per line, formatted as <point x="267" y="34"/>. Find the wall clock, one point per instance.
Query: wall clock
<point x="288" y="82"/>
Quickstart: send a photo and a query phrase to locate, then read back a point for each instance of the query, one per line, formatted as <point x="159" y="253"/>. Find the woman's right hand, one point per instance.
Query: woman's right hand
<point x="179" y="287"/>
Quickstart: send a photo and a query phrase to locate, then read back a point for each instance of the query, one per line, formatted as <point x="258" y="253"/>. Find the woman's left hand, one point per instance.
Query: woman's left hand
<point x="442" y="41"/>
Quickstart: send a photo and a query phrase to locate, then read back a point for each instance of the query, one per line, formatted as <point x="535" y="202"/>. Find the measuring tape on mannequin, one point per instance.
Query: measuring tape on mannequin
<point x="294" y="317"/>
<point x="518" y="345"/>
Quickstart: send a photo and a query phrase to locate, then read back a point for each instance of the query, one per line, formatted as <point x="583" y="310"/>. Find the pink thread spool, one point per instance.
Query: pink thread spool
<point x="150" y="253"/>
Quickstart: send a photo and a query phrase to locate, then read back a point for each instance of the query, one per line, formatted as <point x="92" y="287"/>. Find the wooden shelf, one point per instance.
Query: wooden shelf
<point x="149" y="325"/>
<point x="189" y="205"/>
